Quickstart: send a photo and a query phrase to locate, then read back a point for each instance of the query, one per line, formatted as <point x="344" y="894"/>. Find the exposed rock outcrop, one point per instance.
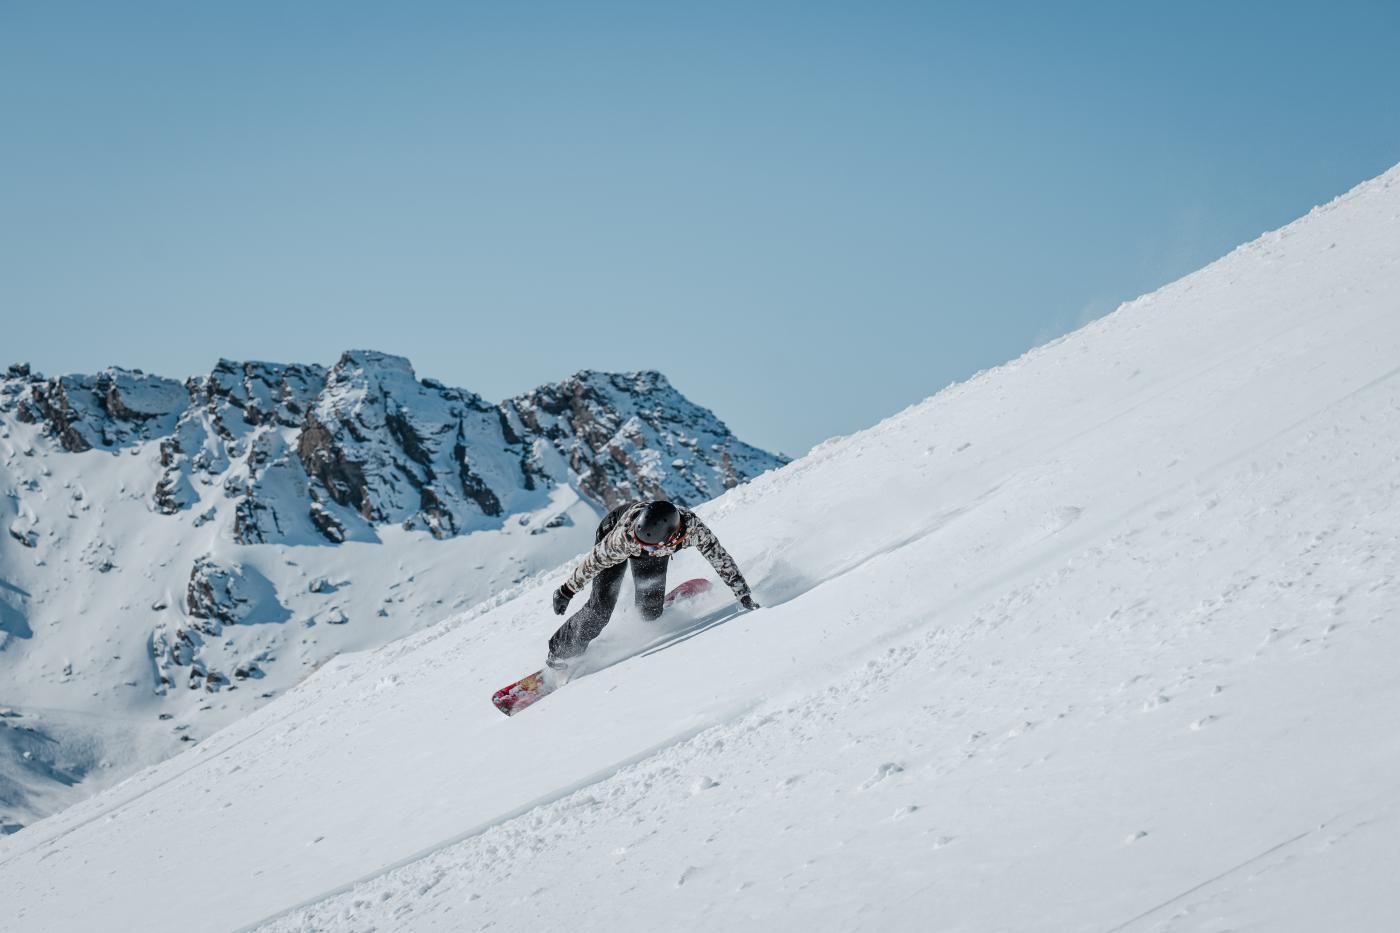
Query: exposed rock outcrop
<point x="112" y="409"/>
<point x="309" y="454"/>
<point x="632" y="435"/>
<point x="229" y="594"/>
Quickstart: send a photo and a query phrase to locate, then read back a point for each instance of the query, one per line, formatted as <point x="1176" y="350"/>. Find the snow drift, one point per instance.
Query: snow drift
<point x="1101" y="640"/>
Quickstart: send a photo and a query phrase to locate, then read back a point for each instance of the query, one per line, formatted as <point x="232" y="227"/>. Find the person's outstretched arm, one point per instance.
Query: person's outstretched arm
<point x="703" y="539"/>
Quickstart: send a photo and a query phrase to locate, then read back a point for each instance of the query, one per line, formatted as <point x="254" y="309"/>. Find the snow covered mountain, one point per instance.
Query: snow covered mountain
<point x="176" y="554"/>
<point x="1103" y="639"/>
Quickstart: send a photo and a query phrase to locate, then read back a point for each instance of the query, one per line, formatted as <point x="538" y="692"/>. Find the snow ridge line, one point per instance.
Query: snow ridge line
<point x="735" y="712"/>
<point x="1209" y="881"/>
<point x="1251" y="860"/>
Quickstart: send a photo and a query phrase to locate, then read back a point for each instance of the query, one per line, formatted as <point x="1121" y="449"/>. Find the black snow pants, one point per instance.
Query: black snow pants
<point x="649" y="578"/>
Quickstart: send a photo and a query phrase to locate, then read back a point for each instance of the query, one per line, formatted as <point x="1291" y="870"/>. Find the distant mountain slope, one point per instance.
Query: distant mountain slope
<point x="176" y="553"/>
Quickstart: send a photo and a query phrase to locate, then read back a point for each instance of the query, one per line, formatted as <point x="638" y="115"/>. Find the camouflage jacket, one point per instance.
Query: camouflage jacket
<point x="618" y="544"/>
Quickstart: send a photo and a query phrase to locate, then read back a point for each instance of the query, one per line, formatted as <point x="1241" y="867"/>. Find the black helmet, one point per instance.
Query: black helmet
<point x="659" y="522"/>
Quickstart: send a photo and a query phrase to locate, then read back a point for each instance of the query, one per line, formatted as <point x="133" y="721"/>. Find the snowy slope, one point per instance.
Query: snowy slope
<point x="177" y="554"/>
<point x="1101" y="640"/>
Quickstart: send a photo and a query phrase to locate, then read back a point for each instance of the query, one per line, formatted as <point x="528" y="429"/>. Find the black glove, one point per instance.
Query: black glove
<point x="561" y="599"/>
<point x="748" y="603"/>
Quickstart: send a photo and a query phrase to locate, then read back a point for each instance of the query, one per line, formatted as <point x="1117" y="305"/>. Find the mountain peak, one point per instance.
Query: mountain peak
<point x="638" y="381"/>
<point x="374" y="360"/>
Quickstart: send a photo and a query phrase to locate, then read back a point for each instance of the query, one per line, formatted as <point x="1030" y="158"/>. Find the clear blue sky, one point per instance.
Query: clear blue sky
<point x="807" y="214"/>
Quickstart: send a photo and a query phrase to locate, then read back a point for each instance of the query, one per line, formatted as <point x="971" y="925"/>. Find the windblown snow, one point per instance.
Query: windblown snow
<point x="1101" y="640"/>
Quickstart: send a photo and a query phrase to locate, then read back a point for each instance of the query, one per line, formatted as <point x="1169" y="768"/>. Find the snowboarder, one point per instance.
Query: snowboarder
<point x="644" y="535"/>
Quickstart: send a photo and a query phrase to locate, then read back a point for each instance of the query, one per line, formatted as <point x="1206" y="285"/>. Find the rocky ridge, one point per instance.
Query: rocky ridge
<point x="305" y="450"/>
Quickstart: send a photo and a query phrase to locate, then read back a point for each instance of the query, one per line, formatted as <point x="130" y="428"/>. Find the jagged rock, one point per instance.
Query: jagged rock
<point x="631" y="435"/>
<point x="173" y="491"/>
<point x="326" y="523"/>
<point x="259" y="394"/>
<point x="392" y="449"/>
<point x="47" y="403"/>
<point x="242" y="412"/>
<point x="219" y="595"/>
<point x="246" y="529"/>
<point x="27" y="537"/>
<point x="562" y="520"/>
<point x="342" y="478"/>
<point x="212" y="596"/>
<point x="309" y="454"/>
<point x="114" y="408"/>
<point x="246" y="670"/>
<point x="169" y="649"/>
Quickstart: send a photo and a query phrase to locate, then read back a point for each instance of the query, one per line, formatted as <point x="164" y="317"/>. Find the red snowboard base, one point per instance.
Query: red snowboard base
<point x="687" y="590"/>
<point x="530" y="689"/>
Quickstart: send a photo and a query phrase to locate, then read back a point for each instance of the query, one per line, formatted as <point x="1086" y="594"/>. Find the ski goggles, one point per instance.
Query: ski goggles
<point x="670" y="542"/>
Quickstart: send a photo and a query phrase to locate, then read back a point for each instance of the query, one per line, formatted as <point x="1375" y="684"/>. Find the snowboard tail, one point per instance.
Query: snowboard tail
<point x="524" y="693"/>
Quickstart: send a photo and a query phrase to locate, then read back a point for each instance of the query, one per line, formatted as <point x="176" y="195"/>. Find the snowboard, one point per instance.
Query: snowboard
<point x="530" y="689"/>
<point x="687" y="590"/>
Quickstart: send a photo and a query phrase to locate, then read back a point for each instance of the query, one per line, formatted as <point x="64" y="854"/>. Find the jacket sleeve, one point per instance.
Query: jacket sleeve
<point x="611" y="551"/>
<point x="703" y="539"/>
